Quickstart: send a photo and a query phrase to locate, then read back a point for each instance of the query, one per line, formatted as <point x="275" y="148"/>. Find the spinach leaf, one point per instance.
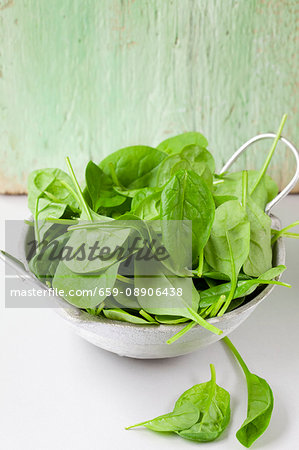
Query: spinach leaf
<point x="166" y="168"/>
<point x="180" y="298"/>
<point x="231" y="185"/>
<point x="228" y="246"/>
<point x="84" y="290"/>
<point x="213" y="404"/>
<point x="134" y="167"/>
<point x="186" y="197"/>
<point x="55" y="188"/>
<point x="200" y="414"/>
<point x="192" y="157"/>
<point x="111" y="238"/>
<point x="149" y="207"/>
<point x="176" y="143"/>
<point x="178" y="419"/>
<point x="244" y="287"/>
<point x="199" y="156"/>
<point x="100" y="188"/>
<point x="260" y="253"/>
<point x="260" y="403"/>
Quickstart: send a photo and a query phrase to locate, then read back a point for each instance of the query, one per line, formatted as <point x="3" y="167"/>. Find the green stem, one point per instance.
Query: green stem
<point x="281" y="232"/>
<point x="270" y="154"/>
<point x="289" y="235"/>
<point x="81" y="199"/>
<point x="237" y="355"/>
<point x="71" y="191"/>
<point x="181" y="332"/>
<point x="217" y="305"/>
<point x="62" y="221"/>
<point x="200" y="264"/>
<point x="36" y="212"/>
<point x="147" y="316"/>
<point x="213" y="373"/>
<point x="233" y="278"/>
<point x="202" y="322"/>
<point x="244" y="188"/>
<point x="113" y="175"/>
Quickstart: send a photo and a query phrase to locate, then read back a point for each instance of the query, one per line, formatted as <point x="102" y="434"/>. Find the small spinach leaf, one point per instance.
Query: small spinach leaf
<point x="213" y="403"/>
<point x="176" y="143"/>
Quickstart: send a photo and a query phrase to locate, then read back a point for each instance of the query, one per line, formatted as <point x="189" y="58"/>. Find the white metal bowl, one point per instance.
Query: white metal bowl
<point x="143" y="341"/>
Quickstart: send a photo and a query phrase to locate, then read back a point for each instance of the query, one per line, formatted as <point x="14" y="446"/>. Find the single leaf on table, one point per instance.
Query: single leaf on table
<point x="179" y="419"/>
<point x="260" y="403"/>
<point x="213" y="404"/>
<point x="176" y="143"/>
<point x="200" y="414"/>
<point x="186" y="198"/>
<point x="134" y="167"/>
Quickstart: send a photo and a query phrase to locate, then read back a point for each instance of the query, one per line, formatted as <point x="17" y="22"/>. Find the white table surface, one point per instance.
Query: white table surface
<point x="58" y="392"/>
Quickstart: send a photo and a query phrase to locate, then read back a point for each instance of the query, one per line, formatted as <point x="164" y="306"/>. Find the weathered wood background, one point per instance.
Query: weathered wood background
<point x="85" y="77"/>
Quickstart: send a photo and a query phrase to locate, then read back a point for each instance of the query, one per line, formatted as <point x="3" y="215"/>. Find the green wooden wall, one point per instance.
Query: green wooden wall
<point x="85" y="77"/>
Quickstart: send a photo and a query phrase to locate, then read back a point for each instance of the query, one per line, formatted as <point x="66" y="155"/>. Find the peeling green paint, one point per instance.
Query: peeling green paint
<point x="83" y="78"/>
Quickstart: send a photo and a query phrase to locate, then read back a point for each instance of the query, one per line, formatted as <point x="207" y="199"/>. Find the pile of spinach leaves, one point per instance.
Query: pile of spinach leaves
<point x="232" y="239"/>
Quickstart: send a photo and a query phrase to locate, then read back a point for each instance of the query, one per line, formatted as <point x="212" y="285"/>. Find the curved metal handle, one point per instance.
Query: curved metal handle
<point x="293" y="181"/>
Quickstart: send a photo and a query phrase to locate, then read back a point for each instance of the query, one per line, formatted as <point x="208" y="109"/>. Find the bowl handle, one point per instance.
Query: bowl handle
<point x="293" y="181"/>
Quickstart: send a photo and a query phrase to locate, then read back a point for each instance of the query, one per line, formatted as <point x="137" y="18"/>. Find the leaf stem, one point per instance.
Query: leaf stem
<point x="237" y="355"/>
<point x="270" y="154"/>
<point x="80" y="197"/>
<point x="71" y="190"/>
<point x="200" y="264"/>
<point x="281" y="232"/>
<point x="113" y="175"/>
<point x="202" y="322"/>
<point x="181" y="333"/>
<point x="233" y="278"/>
<point x="213" y="373"/>
<point x="244" y="188"/>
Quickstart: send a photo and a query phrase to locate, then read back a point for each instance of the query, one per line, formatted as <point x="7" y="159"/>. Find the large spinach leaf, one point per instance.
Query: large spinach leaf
<point x="186" y="197"/>
<point x="134" y="167"/>
<point x="260" y="253"/>
<point x="228" y="246"/>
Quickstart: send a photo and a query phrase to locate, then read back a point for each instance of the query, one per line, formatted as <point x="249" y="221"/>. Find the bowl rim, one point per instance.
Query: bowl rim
<point x="74" y="314"/>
